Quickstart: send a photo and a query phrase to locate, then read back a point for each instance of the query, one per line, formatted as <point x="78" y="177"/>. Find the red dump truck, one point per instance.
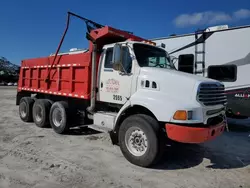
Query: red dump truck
<point x="124" y="85"/>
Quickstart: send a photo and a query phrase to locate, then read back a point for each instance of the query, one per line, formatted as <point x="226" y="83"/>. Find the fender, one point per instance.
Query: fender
<point x="160" y="104"/>
<point x="123" y="109"/>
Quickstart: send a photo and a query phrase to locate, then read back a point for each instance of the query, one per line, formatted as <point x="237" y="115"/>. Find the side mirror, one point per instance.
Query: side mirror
<point x="117" y="57"/>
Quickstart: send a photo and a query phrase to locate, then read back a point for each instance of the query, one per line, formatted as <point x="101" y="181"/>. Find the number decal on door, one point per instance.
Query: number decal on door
<point x="117" y="97"/>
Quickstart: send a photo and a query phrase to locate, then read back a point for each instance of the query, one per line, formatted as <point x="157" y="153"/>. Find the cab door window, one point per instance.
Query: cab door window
<point x="108" y="58"/>
<point x="126" y="60"/>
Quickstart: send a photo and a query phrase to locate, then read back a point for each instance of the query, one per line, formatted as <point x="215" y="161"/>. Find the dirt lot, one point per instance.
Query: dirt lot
<point x="34" y="157"/>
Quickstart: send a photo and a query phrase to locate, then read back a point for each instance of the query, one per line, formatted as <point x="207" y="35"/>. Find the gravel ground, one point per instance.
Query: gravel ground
<point x="35" y="157"/>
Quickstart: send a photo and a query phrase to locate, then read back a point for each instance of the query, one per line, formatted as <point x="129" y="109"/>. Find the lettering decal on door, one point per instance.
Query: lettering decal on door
<point x="112" y="86"/>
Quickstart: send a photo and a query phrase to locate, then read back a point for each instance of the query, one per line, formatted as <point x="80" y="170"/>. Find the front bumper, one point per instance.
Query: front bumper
<point x="188" y="134"/>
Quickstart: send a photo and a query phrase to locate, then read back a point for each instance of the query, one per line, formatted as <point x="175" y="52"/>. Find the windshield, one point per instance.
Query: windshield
<point x="150" y="56"/>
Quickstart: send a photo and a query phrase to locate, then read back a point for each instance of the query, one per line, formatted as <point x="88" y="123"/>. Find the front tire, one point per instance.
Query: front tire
<point x="41" y="109"/>
<point x="138" y="138"/>
<point x="25" y="109"/>
<point x="59" y="117"/>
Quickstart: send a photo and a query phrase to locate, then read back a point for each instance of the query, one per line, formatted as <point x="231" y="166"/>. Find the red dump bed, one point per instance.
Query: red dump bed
<point x="70" y="77"/>
<point x="70" y="74"/>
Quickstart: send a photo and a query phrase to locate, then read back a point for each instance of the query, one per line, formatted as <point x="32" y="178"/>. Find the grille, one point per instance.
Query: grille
<point x="212" y="94"/>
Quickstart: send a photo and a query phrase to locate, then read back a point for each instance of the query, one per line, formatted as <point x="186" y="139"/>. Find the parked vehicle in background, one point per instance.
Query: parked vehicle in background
<point x="10" y="84"/>
<point x="123" y="85"/>
<point x="3" y="84"/>
<point x="220" y="53"/>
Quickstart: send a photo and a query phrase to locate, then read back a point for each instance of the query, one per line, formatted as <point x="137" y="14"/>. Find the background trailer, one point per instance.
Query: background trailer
<point x="220" y="53"/>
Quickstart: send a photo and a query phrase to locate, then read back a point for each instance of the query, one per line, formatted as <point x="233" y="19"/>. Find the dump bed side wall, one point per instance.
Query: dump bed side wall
<point x="70" y="76"/>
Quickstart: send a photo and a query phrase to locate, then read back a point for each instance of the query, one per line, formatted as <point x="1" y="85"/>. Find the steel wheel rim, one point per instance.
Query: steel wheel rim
<point x="57" y="117"/>
<point x="38" y="113"/>
<point x="23" y="109"/>
<point x="136" y="141"/>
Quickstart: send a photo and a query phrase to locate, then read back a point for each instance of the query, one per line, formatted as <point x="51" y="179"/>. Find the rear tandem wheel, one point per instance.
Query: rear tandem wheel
<point x="41" y="109"/>
<point x="59" y="117"/>
<point x="25" y="109"/>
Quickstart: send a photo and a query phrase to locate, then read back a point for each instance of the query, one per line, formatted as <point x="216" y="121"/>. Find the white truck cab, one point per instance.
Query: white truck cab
<point x="148" y="78"/>
<point x="138" y="75"/>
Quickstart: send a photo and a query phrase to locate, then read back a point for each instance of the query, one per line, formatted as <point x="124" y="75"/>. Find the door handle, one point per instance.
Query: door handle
<point x="101" y="84"/>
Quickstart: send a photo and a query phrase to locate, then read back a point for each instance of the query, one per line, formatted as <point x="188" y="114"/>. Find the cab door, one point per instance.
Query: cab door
<point x="115" y="86"/>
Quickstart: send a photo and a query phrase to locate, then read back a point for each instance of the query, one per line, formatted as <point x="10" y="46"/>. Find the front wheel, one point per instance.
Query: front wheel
<point x="138" y="138"/>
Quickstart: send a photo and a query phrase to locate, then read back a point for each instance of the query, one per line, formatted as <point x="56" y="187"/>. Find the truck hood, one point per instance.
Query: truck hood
<point x="172" y="82"/>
